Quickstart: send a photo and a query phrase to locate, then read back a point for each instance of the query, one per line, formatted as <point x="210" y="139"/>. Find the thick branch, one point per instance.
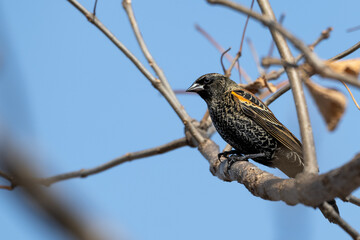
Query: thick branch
<point x="310" y="162"/>
<point x="310" y="190"/>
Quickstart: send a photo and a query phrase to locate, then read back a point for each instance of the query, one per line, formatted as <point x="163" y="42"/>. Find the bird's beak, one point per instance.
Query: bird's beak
<point x="195" y="88"/>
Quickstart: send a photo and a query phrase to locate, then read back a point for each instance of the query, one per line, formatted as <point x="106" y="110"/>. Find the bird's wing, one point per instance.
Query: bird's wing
<point x="255" y="109"/>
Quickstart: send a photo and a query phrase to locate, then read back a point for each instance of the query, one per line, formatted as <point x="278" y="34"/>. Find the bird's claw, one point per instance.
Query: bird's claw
<point x="226" y="154"/>
<point x="233" y="159"/>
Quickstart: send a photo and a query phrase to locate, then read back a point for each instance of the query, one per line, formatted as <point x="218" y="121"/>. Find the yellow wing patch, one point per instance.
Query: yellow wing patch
<point x="241" y="98"/>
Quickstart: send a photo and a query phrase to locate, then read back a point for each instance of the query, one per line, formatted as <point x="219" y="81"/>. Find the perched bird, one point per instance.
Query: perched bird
<point x="249" y="126"/>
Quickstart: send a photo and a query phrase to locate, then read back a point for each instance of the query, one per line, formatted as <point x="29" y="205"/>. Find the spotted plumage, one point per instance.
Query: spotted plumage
<point x="248" y="125"/>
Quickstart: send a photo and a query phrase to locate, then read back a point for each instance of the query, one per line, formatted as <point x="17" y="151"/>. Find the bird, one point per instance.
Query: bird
<point x="249" y="126"/>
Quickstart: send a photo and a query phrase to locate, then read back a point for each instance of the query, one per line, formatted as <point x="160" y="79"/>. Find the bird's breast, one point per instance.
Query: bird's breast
<point x="240" y="131"/>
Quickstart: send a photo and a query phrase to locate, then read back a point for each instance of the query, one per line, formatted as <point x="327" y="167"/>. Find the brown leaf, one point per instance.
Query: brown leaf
<point x="331" y="103"/>
<point x="351" y="66"/>
<point x="258" y="84"/>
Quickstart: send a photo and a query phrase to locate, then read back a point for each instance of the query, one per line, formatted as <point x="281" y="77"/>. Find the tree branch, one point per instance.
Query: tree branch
<point x="181" y="142"/>
<point x="310" y="163"/>
<point x="64" y="215"/>
<point x="311" y="57"/>
<point x="277" y="94"/>
<point x="330" y="213"/>
<point x="238" y="54"/>
<point x="352" y="199"/>
<point x="276" y="74"/>
<point x="310" y="190"/>
<point x="168" y="95"/>
<point x="221" y="50"/>
<point x="346" y="52"/>
<point x="128" y="8"/>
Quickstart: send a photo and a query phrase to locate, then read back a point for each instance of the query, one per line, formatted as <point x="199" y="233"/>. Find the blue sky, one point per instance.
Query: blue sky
<point x="73" y="100"/>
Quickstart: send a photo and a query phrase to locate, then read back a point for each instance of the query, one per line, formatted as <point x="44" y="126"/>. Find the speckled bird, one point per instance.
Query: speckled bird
<point x="249" y="126"/>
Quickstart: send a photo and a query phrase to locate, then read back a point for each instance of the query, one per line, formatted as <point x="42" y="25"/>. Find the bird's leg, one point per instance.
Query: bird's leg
<point x="245" y="157"/>
<point x="226" y="154"/>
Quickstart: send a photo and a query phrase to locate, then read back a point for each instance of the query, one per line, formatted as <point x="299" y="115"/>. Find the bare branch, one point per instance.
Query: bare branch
<point x="94" y="10"/>
<point x="352" y="199"/>
<point x="332" y="215"/>
<point x="255" y="56"/>
<point x="353" y="29"/>
<point x="268" y="61"/>
<point x="311" y="57"/>
<point x="158" y="84"/>
<point x="310" y="163"/>
<point x="324" y="35"/>
<point x="181" y="142"/>
<point x="128" y="8"/>
<point x="221" y="50"/>
<point x="18" y="165"/>
<point x="238" y="54"/>
<point x="346" y="52"/>
<point x="277" y="94"/>
<point x="310" y="190"/>
<point x="272" y="45"/>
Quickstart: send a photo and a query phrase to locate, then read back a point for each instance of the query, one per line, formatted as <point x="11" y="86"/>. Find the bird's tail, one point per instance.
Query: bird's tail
<point x="291" y="163"/>
<point x="333" y="204"/>
<point x="325" y="212"/>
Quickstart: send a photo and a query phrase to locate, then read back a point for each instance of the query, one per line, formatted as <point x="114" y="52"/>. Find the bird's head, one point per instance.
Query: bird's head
<point x="210" y="85"/>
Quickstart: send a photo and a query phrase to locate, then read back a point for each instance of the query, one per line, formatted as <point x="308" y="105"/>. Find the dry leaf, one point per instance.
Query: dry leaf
<point x="351" y="66"/>
<point x="331" y="103"/>
<point x="258" y="84"/>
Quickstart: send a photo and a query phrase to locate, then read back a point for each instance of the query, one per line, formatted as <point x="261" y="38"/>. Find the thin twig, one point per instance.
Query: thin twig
<point x="158" y="84"/>
<point x="255" y="56"/>
<point x="221" y="59"/>
<point x="277" y="94"/>
<point x="352" y="96"/>
<point x="353" y="28"/>
<point x="276" y="74"/>
<point x="310" y="163"/>
<point x="125" y="158"/>
<point x="346" y="52"/>
<point x="272" y="45"/>
<point x="318" y="65"/>
<point x="159" y="72"/>
<point x="168" y="92"/>
<point x="238" y="54"/>
<point x="325" y="34"/>
<point x="352" y="199"/>
<point x="268" y="61"/>
<point x="332" y="215"/>
<point x="94" y="10"/>
<point x="221" y="50"/>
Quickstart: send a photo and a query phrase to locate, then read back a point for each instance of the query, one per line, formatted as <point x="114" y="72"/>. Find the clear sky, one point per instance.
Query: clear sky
<point x="75" y="102"/>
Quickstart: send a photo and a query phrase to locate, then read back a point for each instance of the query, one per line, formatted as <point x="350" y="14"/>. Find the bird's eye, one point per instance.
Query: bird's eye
<point x="207" y="80"/>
